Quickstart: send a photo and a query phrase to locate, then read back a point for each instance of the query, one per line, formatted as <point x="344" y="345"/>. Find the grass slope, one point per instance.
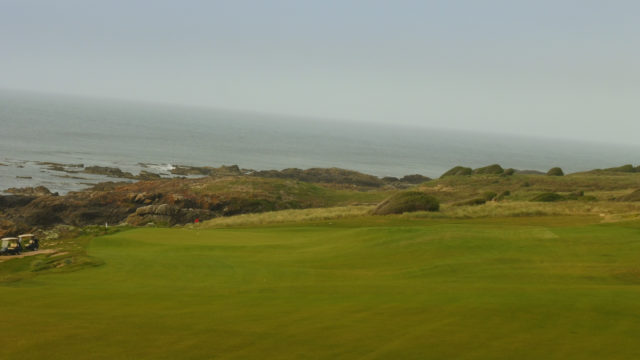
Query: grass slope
<point x="371" y="288"/>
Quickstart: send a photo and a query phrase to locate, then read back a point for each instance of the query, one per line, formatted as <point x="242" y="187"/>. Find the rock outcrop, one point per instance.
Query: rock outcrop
<point x="165" y="214"/>
<point x="324" y="175"/>
<point x="30" y="191"/>
<point x="181" y="200"/>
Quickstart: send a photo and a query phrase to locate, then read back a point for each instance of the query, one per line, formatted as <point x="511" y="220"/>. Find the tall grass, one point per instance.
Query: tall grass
<point x="608" y="211"/>
<point x="289" y="216"/>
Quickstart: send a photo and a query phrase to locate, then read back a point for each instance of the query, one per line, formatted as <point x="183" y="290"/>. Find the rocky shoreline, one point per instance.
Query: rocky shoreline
<point x="185" y="194"/>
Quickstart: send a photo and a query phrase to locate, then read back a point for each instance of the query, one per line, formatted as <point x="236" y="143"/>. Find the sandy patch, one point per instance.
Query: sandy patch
<point x="24" y="254"/>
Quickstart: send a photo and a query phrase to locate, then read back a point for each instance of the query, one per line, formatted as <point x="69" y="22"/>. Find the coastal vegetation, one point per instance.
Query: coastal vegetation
<point x="237" y="265"/>
<point x="230" y="191"/>
<point x="494" y="169"/>
<point x="407" y="201"/>
<point x="458" y="171"/>
<point x="556" y="171"/>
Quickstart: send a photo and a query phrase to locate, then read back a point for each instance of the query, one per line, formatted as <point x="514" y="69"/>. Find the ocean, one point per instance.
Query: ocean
<point x="74" y="130"/>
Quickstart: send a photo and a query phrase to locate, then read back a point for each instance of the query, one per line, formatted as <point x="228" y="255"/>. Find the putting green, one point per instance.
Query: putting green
<point x="370" y="288"/>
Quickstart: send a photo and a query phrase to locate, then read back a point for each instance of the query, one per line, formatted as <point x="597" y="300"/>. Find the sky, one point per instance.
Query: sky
<point x="542" y="68"/>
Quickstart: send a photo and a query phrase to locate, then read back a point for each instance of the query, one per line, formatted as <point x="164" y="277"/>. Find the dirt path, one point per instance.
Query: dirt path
<point x="30" y="253"/>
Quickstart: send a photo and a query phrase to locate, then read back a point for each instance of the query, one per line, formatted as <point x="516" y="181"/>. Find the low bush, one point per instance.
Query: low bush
<point x="575" y="195"/>
<point x="471" y="202"/>
<point x="634" y="196"/>
<point x="458" y="171"/>
<point x="407" y="201"/>
<point x="556" y="171"/>
<point x="415" y="179"/>
<point x="548" y="197"/>
<point x="503" y="195"/>
<point x="494" y="169"/>
<point x="489" y="195"/>
<point x="624" y="168"/>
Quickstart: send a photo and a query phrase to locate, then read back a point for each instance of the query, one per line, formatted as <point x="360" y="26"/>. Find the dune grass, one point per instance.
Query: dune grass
<point x="287" y="216"/>
<point x="371" y="287"/>
<point x="606" y="211"/>
<point x="407" y="201"/>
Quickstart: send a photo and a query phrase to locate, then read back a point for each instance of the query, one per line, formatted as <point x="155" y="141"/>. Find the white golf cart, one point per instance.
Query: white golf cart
<point x="10" y="246"/>
<point x="29" y="242"/>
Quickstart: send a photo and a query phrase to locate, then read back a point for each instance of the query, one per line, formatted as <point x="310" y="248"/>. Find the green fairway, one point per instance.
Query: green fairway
<point x="366" y="288"/>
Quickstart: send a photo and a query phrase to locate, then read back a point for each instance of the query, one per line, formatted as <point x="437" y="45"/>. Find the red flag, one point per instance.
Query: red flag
<point x="197" y="221"/>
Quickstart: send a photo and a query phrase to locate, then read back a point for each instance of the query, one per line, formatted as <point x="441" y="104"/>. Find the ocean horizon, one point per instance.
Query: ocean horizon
<point x="75" y="130"/>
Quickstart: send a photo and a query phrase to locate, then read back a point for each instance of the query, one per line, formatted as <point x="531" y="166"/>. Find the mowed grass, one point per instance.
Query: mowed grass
<point x="365" y="288"/>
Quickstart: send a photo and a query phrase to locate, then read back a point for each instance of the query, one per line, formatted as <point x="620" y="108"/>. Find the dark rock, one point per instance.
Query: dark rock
<point x="146" y="175"/>
<point x="13" y="201"/>
<point x="108" y="171"/>
<point x="30" y="191"/>
<point x="167" y="215"/>
<point x="11" y="228"/>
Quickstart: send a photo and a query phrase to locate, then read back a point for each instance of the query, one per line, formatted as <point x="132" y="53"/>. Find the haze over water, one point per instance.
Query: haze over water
<point x="35" y="127"/>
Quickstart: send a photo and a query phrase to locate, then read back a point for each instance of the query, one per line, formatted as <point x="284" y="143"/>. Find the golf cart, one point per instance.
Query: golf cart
<point x="10" y="246"/>
<point x="29" y="242"/>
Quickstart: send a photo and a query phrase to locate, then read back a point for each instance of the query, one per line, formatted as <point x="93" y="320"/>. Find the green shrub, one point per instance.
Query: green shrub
<point x="494" y="169"/>
<point x="634" y="196"/>
<point x="624" y="168"/>
<point x="509" y="172"/>
<point x="458" y="171"/>
<point x="556" y="171"/>
<point x="548" y="197"/>
<point x="489" y="195"/>
<point x="407" y="201"/>
<point x="415" y="179"/>
<point x="575" y="195"/>
<point x="503" y="195"/>
<point x="471" y="202"/>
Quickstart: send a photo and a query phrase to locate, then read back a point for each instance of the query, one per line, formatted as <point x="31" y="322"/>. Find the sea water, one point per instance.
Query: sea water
<point x="74" y="130"/>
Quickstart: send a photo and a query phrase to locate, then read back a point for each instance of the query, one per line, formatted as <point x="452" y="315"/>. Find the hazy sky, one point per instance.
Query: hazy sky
<point x="566" y="68"/>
